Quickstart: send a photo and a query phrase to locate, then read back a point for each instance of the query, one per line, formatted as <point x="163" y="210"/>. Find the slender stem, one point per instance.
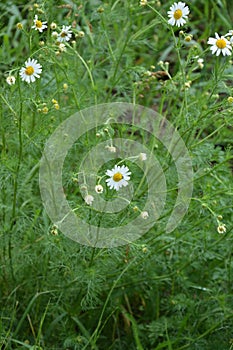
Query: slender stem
<point x="20" y="153"/>
<point x="16" y="177"/>
<point x="88" y="71"/>
<point x="181" y="66"/>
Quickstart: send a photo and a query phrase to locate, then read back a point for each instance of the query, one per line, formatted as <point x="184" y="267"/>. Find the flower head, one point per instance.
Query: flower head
<point x="53" y="25"/>
<point x="65" y="34"/>
<point x="221" y="228"/>
<point x="229" y="35"/>
<point x="62" y="47"/>
<point x="89" y="199"/>
<point x="220" y="45"/>
<point x="54" y="35"/>
<point x="200" y="63"/>
<point x="111" y="149"/>
<point x="178" y="14"/>
<point x="31" y="71"/>
<point x="99" y="189"/>
<point x="39" y="25"/>
<point x="65" y="87"/>
<point x="118" y="177"/>
<point x="144" y="215"/>
<point x="142" y="156"/>
<point x="10" y="80"/>
<point x="19" y="26"/>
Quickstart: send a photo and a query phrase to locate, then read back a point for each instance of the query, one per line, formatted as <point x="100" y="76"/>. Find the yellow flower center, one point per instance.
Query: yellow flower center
<point x="38" y="24"/>
<point x="177" y="14"/>
<point x="29" y="70"/>
<point x="63" y="34"/>
<point x="117" y="177"/>
<point x="221" y="43"/>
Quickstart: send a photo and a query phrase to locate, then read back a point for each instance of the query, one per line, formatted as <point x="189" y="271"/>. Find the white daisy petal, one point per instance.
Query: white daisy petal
<point x="172" y="21"/>
<point x="211" y="41"/>
<point x="213" y="49"/>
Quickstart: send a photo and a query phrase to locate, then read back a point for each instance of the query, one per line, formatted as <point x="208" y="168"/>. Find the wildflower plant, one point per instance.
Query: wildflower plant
<point x="116" y="175"/>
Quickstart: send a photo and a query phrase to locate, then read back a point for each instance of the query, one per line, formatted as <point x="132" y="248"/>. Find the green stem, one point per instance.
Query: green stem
<point x="96" y="333"/>
<point x="20" y="153"/>
<point x="16" y="178"/>
<point x="88" y="71"/>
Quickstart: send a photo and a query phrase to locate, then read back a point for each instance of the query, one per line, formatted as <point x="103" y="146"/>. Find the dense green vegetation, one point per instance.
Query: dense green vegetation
<point x="164" y="290"/>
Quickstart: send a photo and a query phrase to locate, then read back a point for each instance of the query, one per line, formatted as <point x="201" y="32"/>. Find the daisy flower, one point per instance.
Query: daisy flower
<point x="65" y="34"/>
<point x="31" y="71"/>
<point x="230" y="34"/>
<point x="144" y="215"/>
<point x="39" y="25"/>
<point x="142" y="156"/>
<point x="10" y="80"/>
<point x="99" y="189"/>
<point x="221" y="228"/>
<point x="200" y="63"/>
<point x="178" y="14"/>
<point x="53" y="26"/>
<point x="220" y="45"/>
<point x="118" y="177"/>
<point x="89" y="199"/>
<point x="111" y="149"/>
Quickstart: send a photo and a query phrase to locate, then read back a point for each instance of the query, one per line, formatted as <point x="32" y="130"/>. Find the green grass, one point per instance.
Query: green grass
<point x="165" y="290"/>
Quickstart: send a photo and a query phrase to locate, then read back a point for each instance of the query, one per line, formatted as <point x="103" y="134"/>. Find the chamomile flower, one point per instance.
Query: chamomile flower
<point x="111" y="149"/>
<point x="10" y="80"/>
<point x="200" y="63"/>
<point x="19" y="26"/>
<point x="39" y="25"/>
<point x="229" y="35"/>
<point x="143" y="2"/>
<point x="89" y="199"/>
<point x="62" y="47"/>
<point x="65" y="34"/>
<point x="178" y="14"/>
<point x="31" y="71"/>
<point x="220" y="45"/>
<point x="118" y="177"/>
<point x="54" y="35"/>
<point x="99" y="189"/>
<point x="65" y="87"/>
<point x="53" y="25"/>
<point x="221" y="228"/>
<point x="144" y="215"/>
<point x="142" y="156"/>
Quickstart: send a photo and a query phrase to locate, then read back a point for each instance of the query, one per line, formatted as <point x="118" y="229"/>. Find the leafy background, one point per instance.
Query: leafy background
<point x="164" y="291"/>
